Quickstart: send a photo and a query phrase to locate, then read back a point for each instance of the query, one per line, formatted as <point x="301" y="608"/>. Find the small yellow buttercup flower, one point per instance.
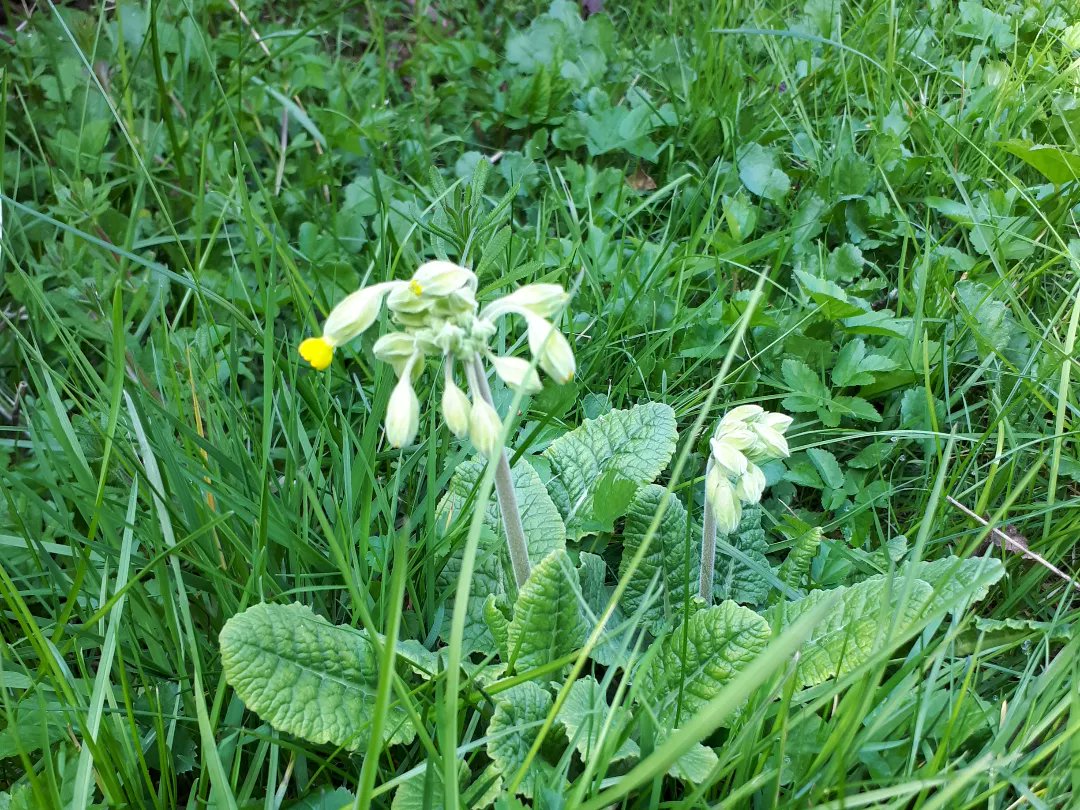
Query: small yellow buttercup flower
<point x="318" y="352"/>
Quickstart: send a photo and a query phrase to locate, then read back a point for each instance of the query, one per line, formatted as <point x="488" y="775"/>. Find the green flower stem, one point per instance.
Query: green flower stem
<point x="708" y="545"/>
<point x="504" y="486"/>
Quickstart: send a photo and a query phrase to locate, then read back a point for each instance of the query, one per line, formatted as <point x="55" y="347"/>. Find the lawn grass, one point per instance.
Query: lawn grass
<point x="186" y="192"/>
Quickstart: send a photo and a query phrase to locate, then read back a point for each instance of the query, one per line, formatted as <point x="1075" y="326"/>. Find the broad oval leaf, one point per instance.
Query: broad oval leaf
<point x="519" y="713"/>
<point x="547" y="622"/>
<point x="667" y="577"/>
<point x="585" y="714"/>
<point x="701" y="656"/>
<point x="744" y="577"/>
<point x="636" y="445"/>
<point x="305" y="676"/>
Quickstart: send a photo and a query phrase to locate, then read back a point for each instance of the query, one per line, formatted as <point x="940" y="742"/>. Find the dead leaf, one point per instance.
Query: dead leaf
<point x="640" y="181"/>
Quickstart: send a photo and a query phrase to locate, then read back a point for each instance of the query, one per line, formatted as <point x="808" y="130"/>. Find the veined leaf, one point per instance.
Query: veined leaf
<point x="735" y="578"/>
<point x="543" y="525"/>
<point x="869" y="616"/>
<point x="519" y="713"/>
<point x="305" y="676"/>
<point x="796" y="564"/>
<point x="957" y="582"/>
<point x="695" y="765"/>
<point x="584" y="715"/>
<point x="637" y="444"/>
<point x="544" y="533"/>
<point x="698" y="658"/>
<point x="668" y="573"/>
<point x="547" y="622"/>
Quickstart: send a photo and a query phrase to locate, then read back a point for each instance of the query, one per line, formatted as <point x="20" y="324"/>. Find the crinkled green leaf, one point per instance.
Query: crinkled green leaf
<point x="544" y="533"/>
<point x="957" y="582"/>
<point x="668" y="574"/>
<point x="497" y="622"/>
<point x="547" y="622"/>
<point x="584" y="715"/>
<point x="738" y="579"/>
<point x="701" y="656"/>
<point x="796" y="565"/>
<point x="519" y="713"/>
<point x="636" y="443"/>
<point x="616" y="638"/>
<point x="489" y="579"/>
<point x="305" y="676"/>
<point x="543" y="525"/>
<point x="695" y="765"/>
<point x="864" y="621"/>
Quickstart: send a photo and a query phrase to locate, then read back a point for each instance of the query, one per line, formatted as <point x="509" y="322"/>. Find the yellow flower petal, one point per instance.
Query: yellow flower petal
<point x="317" y="352"/>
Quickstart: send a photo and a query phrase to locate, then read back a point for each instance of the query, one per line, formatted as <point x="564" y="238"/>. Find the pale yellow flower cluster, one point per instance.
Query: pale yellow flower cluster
<point x="437" y="313"/>
<point x="746" y="437"/>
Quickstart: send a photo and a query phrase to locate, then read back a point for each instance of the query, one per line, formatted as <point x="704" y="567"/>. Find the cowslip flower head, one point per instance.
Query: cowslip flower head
<point x="746" y="436"/>
<point x="435" y="313"/>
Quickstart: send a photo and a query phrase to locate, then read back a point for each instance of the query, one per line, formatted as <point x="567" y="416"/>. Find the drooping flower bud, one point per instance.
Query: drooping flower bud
<point x="355" y="313"/>
<point x="770" y="443"/>
<point x="455" y="406"/>
<point x="485" y="428"/>
<point x="729" y="459"/>
<point x="517" y="373"/>
<point x="751" y="484"/>
<point x="727" y="510"/>
<point x="402" y="411"/>
<point x="395" y="348"/>
<point x="545" y="300"/>
<point x="741" y="414"/>
<point x="550" y="347"/>
<point x="352" y="316"/>
<point x="439" y="278"/>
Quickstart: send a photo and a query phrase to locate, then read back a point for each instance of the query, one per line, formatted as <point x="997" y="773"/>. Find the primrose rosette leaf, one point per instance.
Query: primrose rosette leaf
<point x="305" y="676"/>
<point x="702" y="656"/>
<point x="635" y="444"/>
<point x="667" y="578"/>
<point x="883" y="611"/>
<point x="547" y="622"/>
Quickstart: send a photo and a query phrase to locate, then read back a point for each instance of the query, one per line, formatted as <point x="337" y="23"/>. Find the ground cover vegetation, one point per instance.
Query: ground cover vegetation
<point x="769" y="497"/>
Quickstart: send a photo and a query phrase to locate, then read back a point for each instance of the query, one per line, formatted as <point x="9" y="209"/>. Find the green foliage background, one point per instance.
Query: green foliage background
<point x="185" y="193"/>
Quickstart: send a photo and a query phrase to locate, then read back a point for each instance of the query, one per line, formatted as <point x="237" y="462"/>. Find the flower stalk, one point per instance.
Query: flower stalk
<point x="504" y="485"/>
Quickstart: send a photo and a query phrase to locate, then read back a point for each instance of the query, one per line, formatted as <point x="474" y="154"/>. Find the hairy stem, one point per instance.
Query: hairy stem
<point x="708" y="545"/>
<point x="504" y="485"/>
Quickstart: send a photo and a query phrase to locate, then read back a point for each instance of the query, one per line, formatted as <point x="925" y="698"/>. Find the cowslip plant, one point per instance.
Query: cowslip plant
<point x="746" y="436"/>
<point x="438" y="316"/>
<point x="587" y="507"/>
